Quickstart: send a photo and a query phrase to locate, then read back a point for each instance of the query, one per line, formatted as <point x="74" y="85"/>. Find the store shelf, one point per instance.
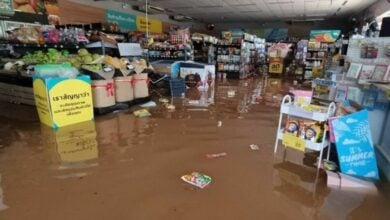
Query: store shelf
<point x="42" y="46"/>
<point x="319" y="99"/>
<point x="235" y="63"/>
<point x="165" y="49"/>
<point x="314" y="58"/>
<point x="290" y="109"/>
<point x="309" y="144"/>
<point x="228" y="45"/>
<point x="317" y="50"/>
<point x="228" y="71"/>
<point x="101" y="44"/>
<point x="166" y="58"/>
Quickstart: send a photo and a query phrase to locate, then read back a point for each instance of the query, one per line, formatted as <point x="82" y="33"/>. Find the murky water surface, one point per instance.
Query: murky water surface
<point x="122" y="167"/>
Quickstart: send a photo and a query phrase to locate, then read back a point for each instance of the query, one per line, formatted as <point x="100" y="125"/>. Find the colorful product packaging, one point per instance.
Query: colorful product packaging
<point x="197" y="179"/>
<point x="311" y="131"/>
<point x="292" y="126"/>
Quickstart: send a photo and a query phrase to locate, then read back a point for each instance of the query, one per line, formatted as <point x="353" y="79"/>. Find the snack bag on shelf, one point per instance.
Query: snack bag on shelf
<point x="292" y="126"/>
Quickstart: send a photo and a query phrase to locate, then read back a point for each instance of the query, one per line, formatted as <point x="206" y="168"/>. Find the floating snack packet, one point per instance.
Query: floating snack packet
<point x="254" y="147"/>
<point x="197" y="179"/>
<point x="142" y="113"/>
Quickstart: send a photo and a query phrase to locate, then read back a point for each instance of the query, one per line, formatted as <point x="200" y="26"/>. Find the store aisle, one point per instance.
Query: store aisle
<point x="122" y="167"/>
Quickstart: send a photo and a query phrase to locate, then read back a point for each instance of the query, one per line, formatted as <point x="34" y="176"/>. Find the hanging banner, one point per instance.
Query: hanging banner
<point x="6" y="7"/>
<point x="154" y="25"/>
<point x="125" y="22"/>
<point x="327" y="36"/>
<point x="355" y="148"/>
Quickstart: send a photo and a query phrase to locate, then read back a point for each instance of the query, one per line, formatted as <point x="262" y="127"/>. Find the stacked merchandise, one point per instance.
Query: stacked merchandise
<point x="204" y="49"/>
<point x="315" y="59"/>
<point x="366" y="77"/>
<point x="114" y="80"/>
<point x="319" y="52"/>
<point x="365" y="81"/>
<point x="178" y="47"/>
<point x="261" y="55"/>
<point x="236" y="56"/>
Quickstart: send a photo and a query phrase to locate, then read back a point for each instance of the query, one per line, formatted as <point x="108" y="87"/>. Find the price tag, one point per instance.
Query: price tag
<point x="322" y="89"/>
<point x="276" y="67"/>
<point x="294" y="142"/>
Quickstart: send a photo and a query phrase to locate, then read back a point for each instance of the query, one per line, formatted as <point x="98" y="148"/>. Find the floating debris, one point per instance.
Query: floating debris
<point x="210" y="156"/>
<point x="254" y="147"/>
<point x="197" y="179"/>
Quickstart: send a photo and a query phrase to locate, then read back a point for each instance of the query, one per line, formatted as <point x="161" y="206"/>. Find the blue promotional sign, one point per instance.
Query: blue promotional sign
<point x="354" y="145"/>
<point x="126" y="22"/>
<point x="275" y="34"/>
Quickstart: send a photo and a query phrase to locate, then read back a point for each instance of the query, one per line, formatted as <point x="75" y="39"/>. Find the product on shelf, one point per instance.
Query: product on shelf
<point x="311" y="130"/>
<point x="292" y="126"/>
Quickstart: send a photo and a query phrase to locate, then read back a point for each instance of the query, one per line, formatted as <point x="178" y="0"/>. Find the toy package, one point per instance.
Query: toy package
<point x="292" y="126"/>
<point x="311" y="131"/>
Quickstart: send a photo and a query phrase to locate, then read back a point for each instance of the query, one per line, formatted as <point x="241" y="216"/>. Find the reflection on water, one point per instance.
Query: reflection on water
<point x="132" y="166"/>
<point x="302" y="185"/>
<point x="306" y="187"/>
<point x="2" y="205"/>
<point x="75" y="147"/>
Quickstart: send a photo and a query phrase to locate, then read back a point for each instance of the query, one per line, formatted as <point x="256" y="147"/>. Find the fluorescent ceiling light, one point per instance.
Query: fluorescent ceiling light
<point x="211" y="6"/>
<point x="309" y="19"/>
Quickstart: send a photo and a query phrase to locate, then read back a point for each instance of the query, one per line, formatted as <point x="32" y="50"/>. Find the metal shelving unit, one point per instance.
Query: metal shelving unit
<point x="288" y="108"/>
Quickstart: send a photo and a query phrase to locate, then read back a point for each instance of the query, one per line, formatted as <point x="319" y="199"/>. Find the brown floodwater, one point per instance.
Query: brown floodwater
<point x="122" y="167"/>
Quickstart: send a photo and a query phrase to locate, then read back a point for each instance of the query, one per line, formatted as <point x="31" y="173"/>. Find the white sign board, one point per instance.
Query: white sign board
<point x="130" y="49"/>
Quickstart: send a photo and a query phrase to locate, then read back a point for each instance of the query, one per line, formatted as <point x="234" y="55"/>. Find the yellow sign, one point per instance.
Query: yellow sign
<point x="322" y="89"/>
<point x="294" y="142"/>
<point x="154" y="25"/>
<point x="63" y="101"/>
<point x="388" y="94"/>
<point x="275" y="66"/>
<point x="41" y="102"/>
<point x="317" y="71"/>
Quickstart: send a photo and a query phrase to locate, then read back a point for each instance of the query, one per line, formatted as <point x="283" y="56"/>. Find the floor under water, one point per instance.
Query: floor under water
<point x="123" y="167"/>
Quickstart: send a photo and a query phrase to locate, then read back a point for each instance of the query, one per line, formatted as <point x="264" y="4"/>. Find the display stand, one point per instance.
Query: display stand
<point x="288" y="108"/>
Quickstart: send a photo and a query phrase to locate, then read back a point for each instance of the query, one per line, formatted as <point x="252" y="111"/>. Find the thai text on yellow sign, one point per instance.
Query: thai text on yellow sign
<point x="322" y="89"/>
<point x="154" y="25"/>
<point x="294" y="142"/>
<point x="276" y="66"/>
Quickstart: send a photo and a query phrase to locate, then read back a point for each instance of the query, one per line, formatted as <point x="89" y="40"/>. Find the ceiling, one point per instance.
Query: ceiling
<point x="221" y="11"/>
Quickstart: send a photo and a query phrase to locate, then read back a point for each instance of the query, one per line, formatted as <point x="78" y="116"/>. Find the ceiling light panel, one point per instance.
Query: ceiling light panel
<point x="239" y="2"/>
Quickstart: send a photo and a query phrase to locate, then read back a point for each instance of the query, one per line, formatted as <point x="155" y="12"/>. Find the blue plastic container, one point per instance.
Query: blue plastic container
<point x="177" y="86"/>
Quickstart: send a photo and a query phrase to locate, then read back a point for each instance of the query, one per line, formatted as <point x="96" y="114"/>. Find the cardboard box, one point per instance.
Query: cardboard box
<point x="63" y="101"/>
